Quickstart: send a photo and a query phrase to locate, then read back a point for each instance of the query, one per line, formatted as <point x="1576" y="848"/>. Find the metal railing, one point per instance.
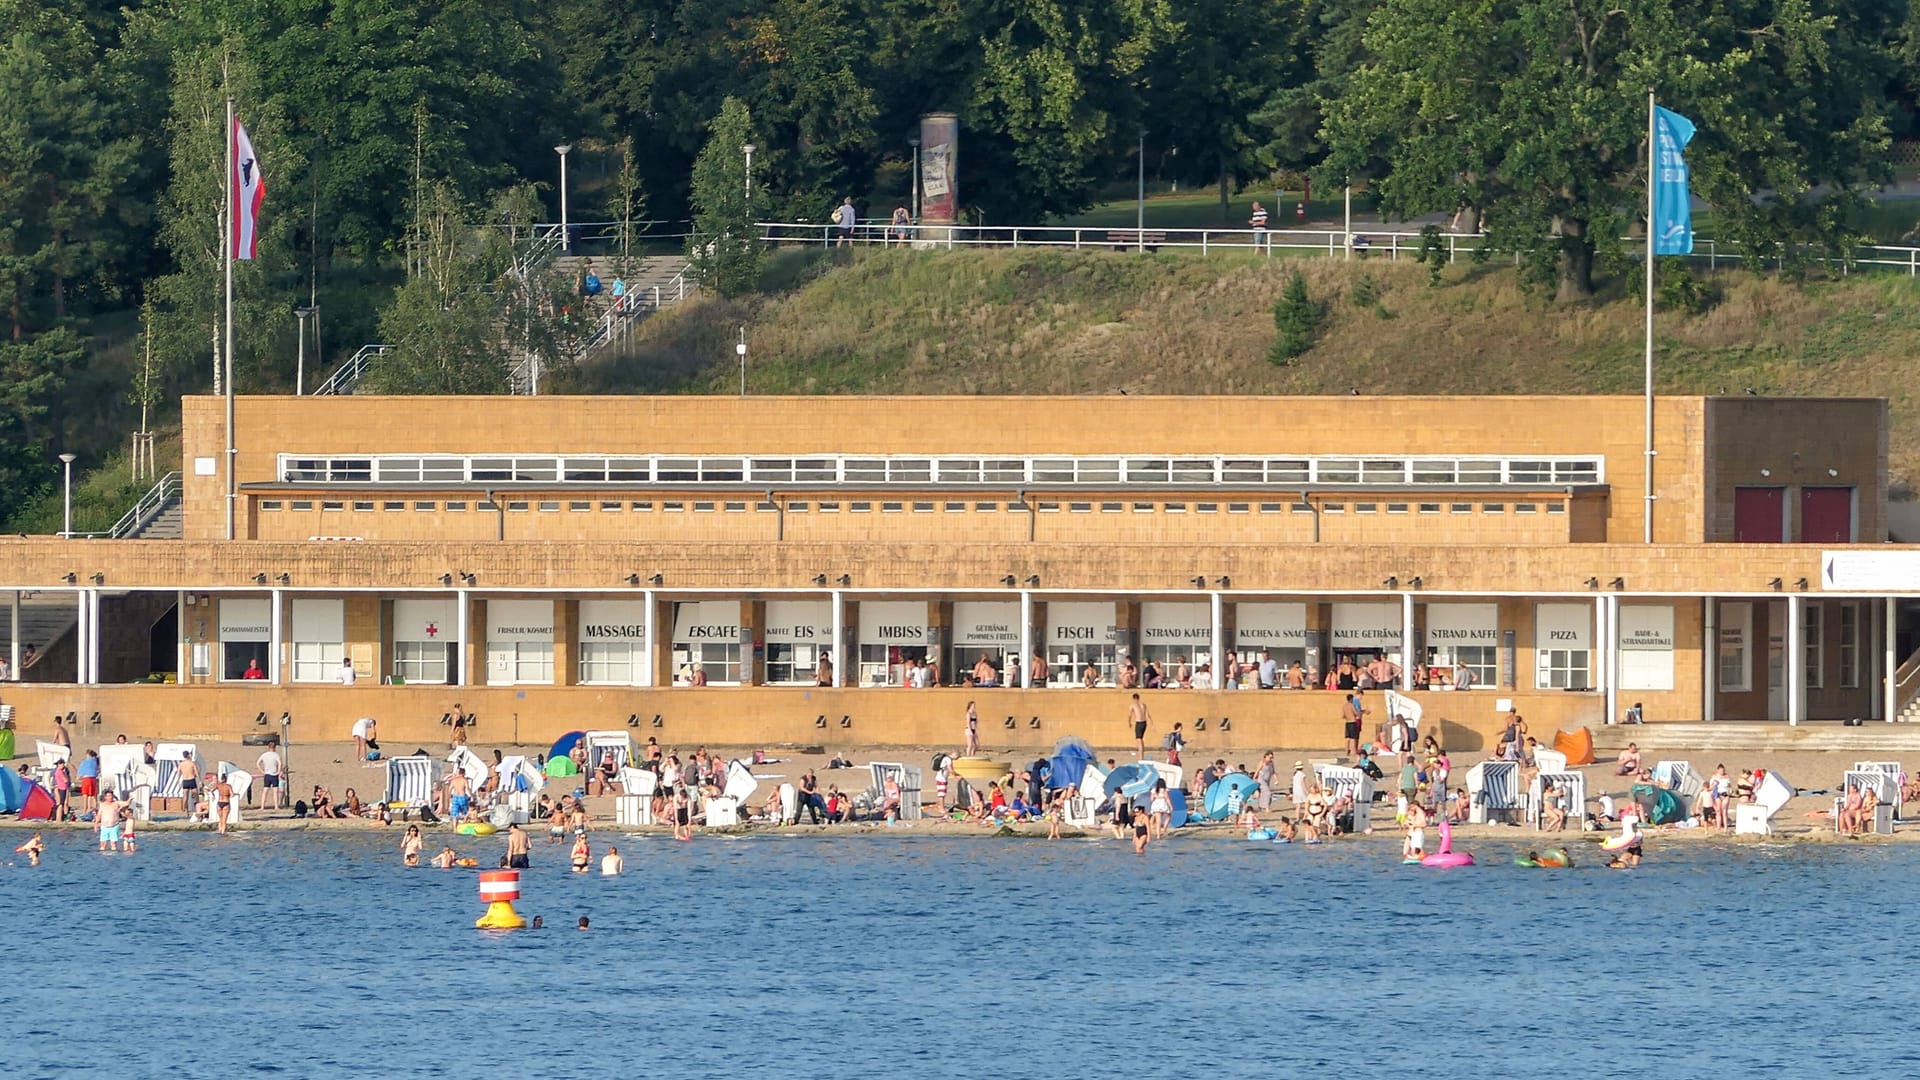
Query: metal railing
<point x="347" y="375"/>
<point x="1906" y="685"/>
<point x="625" y="310"/>
<point x="150" y="506"/>
<point x="1364" y="242"/>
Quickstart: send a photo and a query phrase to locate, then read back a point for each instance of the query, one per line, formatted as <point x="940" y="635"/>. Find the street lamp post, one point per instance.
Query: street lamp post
<point x="1140" y="197"/>
<point x="914" y="141"/>
<point x="300" y="365"/>
<point x="66" y="519"/>
<point x="747" y="149"/>
<point x="566" y="240"/>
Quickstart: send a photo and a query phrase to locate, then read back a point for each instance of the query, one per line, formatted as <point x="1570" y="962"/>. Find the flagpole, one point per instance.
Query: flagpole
<point x="226" y="253"/>
<point x="1653" y="167"/>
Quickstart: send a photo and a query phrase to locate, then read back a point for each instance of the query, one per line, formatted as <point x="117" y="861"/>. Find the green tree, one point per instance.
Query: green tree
<point x="1547" y="127"/>
<point x="1054" y="104"/>
<point x="724" y="250"/>
<point x="65" y="163"/>
<point x="1206" y="86"/>
<point x="475" y="311"/>
<point x="1297" y="318"/>
<point x="189" y="323"/>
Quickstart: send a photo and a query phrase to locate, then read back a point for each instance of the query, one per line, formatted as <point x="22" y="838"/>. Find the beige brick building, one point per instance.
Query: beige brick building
<point x="698" y="567"/>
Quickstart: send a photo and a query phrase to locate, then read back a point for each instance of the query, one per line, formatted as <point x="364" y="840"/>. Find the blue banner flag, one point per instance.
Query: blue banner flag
<point x="1672" y="224"/>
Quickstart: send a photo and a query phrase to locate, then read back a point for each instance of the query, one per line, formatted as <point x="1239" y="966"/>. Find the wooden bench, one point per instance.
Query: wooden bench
<point x="1125" y="239"/>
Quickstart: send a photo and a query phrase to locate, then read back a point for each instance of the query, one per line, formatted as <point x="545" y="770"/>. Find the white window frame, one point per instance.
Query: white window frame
<point x="1813" y="626"/>
<point x="424" y="663"/>
<point x="1850" y="620"/>
<point x="610" y="663"/>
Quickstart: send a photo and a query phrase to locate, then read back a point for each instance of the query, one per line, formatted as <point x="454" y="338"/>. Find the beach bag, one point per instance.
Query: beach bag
<point x="590" y="285"/>
<point x="1167" y="743"/>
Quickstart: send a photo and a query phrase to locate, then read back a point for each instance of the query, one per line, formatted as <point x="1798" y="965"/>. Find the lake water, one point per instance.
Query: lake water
<point x="319" y="955"/>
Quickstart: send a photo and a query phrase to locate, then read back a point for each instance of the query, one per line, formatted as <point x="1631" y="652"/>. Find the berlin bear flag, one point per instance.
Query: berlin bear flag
<point x="1672" y="203"/>
<point x="249" y="190"/>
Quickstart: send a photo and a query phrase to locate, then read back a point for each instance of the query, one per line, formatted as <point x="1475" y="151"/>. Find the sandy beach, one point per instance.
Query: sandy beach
<point x="1815" y="775"/>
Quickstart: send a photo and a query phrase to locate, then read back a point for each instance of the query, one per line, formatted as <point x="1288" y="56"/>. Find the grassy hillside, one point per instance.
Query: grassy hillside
<point x="992" y="322"/>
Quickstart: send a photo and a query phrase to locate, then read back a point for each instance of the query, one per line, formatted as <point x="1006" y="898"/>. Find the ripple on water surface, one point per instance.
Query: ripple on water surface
<point x="318" y="954"/>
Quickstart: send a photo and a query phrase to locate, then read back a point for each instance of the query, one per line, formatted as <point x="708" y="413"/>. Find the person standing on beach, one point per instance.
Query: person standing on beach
<point x="1176" y="742"/>
<point x="1263" y="777"/>
<point x="271" y="766"/>
<point x="973" y="731"/>
<point x="1137" y="716"/>
<point x="518" y="847"/>
<point x="1351" y="715"/>
<point x="89" y="781"/>
<point x="682" y="816"/>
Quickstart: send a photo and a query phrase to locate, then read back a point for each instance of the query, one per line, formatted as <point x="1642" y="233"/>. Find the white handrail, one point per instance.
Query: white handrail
<point x="148" y="508"/>
<point x="347" y="375"/>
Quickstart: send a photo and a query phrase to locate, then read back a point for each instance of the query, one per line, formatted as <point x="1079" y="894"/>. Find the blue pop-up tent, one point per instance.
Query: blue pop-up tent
<point x="19" y="795"/>
<point x="1069" y="762"/>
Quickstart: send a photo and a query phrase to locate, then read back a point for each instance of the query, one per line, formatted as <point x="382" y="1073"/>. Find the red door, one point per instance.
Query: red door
<point x="1758" y="516"/>
<point x="1826" y="515"/>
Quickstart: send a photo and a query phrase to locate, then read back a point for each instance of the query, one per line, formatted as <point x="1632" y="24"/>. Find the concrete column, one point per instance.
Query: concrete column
<point x="1610" y="657"/>
<point x="93" y="644"/>
<point x="1796" y="660"/>
<point x="82" y="627"/>
<point x="1598" y="661"/>
<point x="1407" y="659"/>
<point x="1889" y="630"/>
<point x="13" y="661"/>
<point x="277" y="636"/>
<point x="1216" y="637"/>
<point x="1710" y="652"/>
<point x="651" y="635"/>
<point x="1026" y="641"/>
<point x="463" y="632"/>
<point x="836" y="607"/>
<point x="181" y="660"/>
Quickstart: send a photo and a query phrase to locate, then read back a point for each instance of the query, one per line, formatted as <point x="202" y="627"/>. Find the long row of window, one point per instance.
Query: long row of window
<point x="921" y="471"/>
<point x="580" y="506"/>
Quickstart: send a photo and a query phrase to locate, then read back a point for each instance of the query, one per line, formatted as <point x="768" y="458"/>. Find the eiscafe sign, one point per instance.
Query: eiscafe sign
<point x="707" y="621"/>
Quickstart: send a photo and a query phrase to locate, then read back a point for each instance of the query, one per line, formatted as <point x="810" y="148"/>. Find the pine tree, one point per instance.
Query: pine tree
<point x="1297" y="318"/>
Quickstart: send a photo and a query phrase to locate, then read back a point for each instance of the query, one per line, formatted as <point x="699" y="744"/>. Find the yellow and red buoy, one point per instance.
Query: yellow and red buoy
<point x="500" y="888"/>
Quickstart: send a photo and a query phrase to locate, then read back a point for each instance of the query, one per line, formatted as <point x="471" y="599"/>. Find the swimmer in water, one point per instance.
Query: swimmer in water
<point x="582" y="855"/>
<point x="33" y="847"/>
<point x="1416" y="845"/>
<point x="1139" y="835"/>
<point x="410" y="846"/>
<point x="446" y="859"/>
<point x="538" y="922"/>
<point x="583" y="922"/>
<point x="611" y="864"/>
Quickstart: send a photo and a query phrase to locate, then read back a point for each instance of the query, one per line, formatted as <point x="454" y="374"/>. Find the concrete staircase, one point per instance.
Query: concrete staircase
<point x="657" y="282"/>
<point x="46" y="620"/>
<point x="1871" y="739"/>
<point x="165" y="525"/>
